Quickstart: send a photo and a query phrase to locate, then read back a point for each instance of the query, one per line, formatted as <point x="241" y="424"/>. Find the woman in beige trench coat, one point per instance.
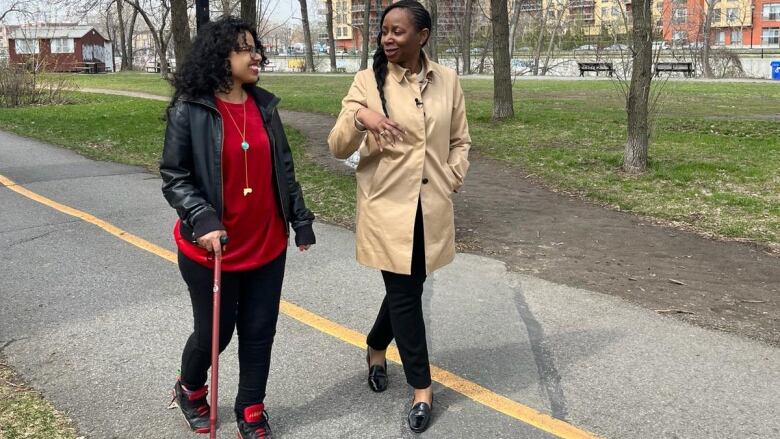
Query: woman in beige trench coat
<point x="407" y="119"/>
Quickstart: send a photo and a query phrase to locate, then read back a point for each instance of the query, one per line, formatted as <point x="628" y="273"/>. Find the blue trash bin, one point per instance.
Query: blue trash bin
<point x="775" y="70"/>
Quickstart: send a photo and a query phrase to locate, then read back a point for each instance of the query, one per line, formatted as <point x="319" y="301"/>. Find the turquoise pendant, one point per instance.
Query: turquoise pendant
<point x="244" y="145"/>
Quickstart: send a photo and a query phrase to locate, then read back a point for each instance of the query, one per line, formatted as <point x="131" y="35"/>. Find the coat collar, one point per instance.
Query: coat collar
<point x="398" y="73"/>
<point x="265" y="100"/>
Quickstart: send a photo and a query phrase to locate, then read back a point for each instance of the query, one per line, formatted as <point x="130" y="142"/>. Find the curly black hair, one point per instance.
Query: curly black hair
<point x="206" y="68"/>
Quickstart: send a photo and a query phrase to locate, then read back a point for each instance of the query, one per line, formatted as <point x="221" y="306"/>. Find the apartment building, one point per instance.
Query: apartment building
<point x="740" y="23"/>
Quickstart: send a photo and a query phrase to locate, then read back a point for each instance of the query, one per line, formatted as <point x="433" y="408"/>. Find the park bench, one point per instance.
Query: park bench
<point x="595" y="67"/>
<point x="685" y="68"/>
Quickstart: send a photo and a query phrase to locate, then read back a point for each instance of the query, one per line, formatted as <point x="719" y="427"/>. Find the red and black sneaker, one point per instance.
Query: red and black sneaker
<point x="193" y="405"/>
<point x="254" y="423"/>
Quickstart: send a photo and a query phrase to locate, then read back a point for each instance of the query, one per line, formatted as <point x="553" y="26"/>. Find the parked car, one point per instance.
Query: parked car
<point x="586" y="47"/>
<point x="617" y="48"/>
<point x="661" y="45"/>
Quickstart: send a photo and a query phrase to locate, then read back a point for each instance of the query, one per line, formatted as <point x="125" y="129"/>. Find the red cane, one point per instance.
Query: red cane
<point x="215" y="340"/>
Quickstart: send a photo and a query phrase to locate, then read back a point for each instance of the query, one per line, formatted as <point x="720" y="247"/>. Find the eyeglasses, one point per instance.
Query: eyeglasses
<point x="253" y="50"/>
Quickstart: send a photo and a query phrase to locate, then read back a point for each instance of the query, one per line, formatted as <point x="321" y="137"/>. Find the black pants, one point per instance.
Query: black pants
<point x="250" y="302"/>
<point x="401" y="316"/>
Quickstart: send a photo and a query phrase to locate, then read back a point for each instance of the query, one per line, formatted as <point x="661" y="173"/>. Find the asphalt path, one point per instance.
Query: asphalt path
<point x="97" y="324"/>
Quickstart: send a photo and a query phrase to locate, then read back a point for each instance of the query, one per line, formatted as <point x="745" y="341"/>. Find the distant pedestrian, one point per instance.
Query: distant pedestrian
<point x="228" y="171"/>
<point x="407" y="120"/>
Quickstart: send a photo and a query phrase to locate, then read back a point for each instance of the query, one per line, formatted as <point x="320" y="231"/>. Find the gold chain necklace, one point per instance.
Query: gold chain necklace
<point x="244" y="145"/>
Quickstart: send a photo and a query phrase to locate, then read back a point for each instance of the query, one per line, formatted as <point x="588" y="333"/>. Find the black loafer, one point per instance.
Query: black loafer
<point x="377" y="375"/>
<point x="419" y="417"/>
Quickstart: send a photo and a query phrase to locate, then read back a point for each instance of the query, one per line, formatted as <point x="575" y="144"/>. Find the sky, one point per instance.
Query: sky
<point x="283" y="10"/>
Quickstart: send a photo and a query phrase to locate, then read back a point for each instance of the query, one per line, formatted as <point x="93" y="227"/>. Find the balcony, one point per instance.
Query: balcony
<point x="531" y="5"/>
<point x="578" y="4"/>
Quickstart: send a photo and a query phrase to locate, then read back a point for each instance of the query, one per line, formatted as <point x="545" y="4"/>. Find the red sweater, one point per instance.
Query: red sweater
<point x="254" y="225"/>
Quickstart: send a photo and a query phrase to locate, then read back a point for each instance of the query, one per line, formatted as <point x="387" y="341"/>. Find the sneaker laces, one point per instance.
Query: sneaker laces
<point x="261" y="429"/>
<point x="197" y="395"/>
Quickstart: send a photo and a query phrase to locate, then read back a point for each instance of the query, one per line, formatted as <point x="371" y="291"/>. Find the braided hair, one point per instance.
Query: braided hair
<point x="421" y="19"/>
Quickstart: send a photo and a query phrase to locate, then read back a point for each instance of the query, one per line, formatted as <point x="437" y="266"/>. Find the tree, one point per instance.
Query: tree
<point x="637" y="103"/>
<point x="160" y="33"/>
<point x="249" y="12"/>
<point x="558" y="9"/>
<point x="433" y="46"/>
<point x="331" y="38"/>
<point x="120" y="17"/>
<point x="366" y="33"/>
<point x="465" y="38"/>
<point x="130" y="34"/>
<point x="503" y="106"/>
<point x="513" y="25"/>
<point x="706" y="33"/>
<point x="307" y="35"/>
<point x="541" y="29"/>
<point x="180" y="29"/>
<point x="16" y="7"/>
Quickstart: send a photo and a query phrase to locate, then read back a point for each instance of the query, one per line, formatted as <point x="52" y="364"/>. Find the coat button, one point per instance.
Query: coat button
<point x="425" y="181"/>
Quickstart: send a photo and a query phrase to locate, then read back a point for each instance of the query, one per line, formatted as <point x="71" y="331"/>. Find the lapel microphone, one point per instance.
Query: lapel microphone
<point x="418" y="103"/>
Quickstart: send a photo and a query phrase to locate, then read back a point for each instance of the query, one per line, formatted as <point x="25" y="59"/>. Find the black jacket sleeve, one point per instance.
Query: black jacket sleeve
<point x="301" y="218"/>
<point x="176" y="169"/>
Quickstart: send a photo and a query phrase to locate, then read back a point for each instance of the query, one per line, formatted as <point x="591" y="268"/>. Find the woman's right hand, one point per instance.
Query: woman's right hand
<point x="385" y="131"/>
<point x="212" y="242"/>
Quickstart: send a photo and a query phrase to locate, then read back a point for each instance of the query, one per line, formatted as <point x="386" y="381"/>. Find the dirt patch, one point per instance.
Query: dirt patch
<point x="728" y="286"/>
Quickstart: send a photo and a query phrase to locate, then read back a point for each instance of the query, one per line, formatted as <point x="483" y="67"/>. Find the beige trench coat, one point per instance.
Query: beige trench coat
<point x="429" y="163"/>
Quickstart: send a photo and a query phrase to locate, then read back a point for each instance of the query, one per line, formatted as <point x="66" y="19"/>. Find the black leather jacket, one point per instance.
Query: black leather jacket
<point x="191" y="166"/>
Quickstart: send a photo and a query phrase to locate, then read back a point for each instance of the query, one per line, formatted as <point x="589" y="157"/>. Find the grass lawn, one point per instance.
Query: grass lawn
<point x="25" y="414"/>
<point x="714" y="159"/>
<point x="131" y="131"/>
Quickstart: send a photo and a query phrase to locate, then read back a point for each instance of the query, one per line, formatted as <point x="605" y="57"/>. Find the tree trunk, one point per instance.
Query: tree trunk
<point x="513" y="25"/>
<point x="551" y="46"/>
<point x="502" y="73"/>
<point x="485" y="50"/>
<point x="180" y="28"/>
<point x="465" y="38"/>
<point x="249" y="12"/>
<point x="130" y="36"/>
<point x="637" y="102"/>
<point x="160" y="43"/>
<point x="331" y="39"/>
<point x="120" y="16"/>
<point x="433" y="49"/>
<point x="366" y="33"/>
<point x="307" y="36"/>
<point x="705" y="50"/>
<point x="539" y="41"/>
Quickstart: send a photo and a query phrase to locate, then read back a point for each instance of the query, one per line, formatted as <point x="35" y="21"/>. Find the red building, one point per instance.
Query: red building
<point x="744" y="23"/>
<point x="766" y="16"/>
<point x="61" y="49"/>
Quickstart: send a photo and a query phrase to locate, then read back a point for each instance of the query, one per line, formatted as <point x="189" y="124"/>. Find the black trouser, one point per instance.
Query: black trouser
<point x="250" y="302"/>
<point x="401" y="315"/>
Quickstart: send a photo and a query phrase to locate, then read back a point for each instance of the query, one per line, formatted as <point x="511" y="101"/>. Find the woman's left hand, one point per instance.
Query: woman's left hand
<point x="303" y="248"/>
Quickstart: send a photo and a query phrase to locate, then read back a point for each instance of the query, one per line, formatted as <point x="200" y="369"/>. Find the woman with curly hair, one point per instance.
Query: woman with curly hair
<point x="407" y="119"/>
<point x="228" y="171"/>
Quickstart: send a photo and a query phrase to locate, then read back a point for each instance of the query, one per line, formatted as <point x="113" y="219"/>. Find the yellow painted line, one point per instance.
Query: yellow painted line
<point x="110" y="228"/>
<point x="458" y="384"/>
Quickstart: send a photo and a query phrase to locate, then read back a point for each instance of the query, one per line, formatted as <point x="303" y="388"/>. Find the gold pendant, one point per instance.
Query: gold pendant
<point x="247" y="191"/>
